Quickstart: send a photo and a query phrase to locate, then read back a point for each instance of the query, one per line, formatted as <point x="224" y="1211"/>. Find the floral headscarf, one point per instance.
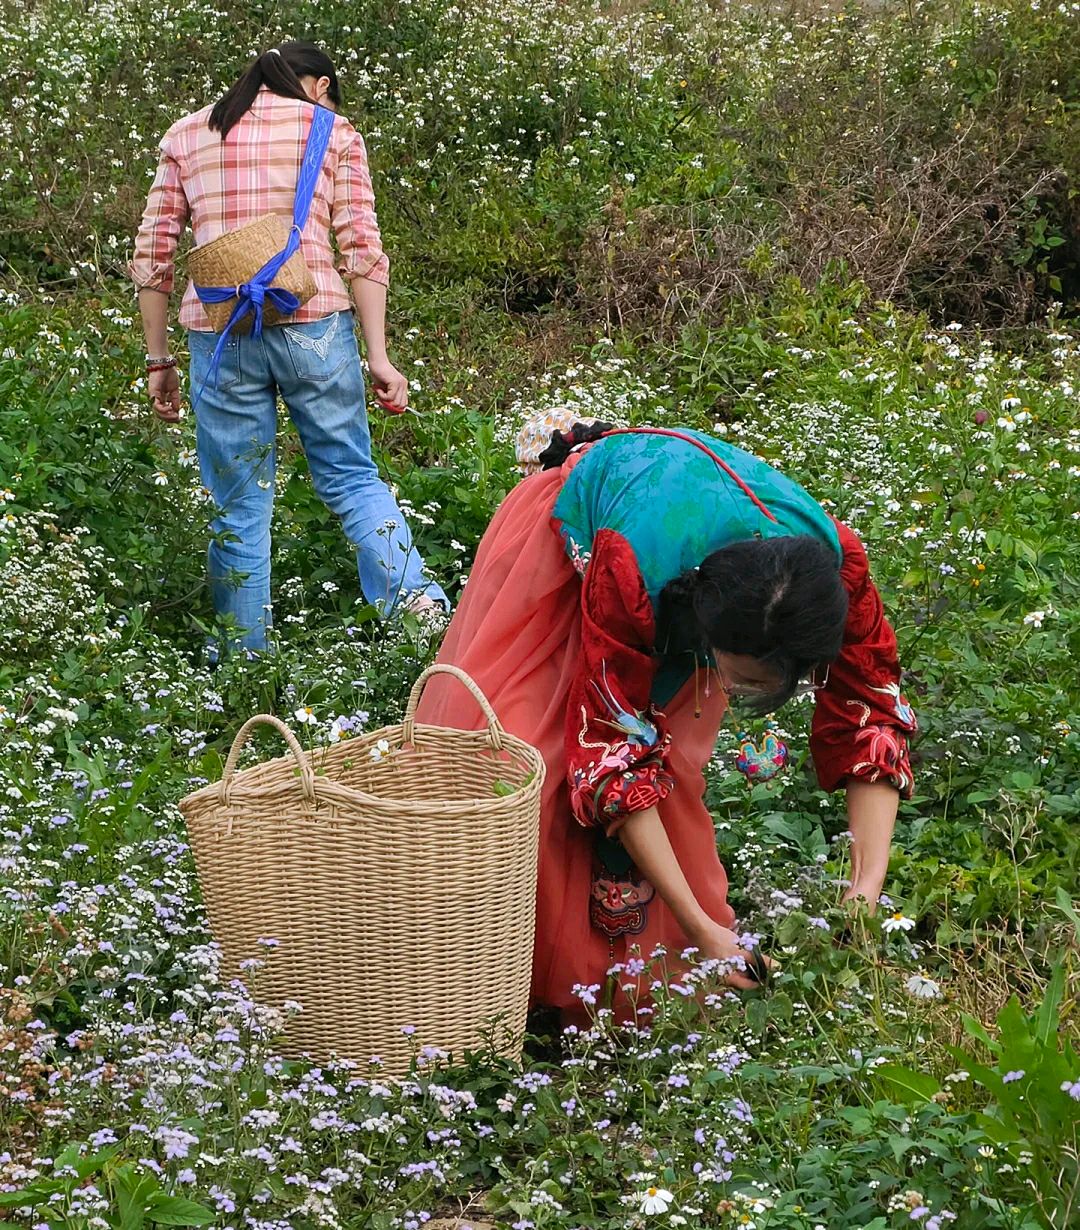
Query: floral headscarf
<point x="536" y="432"/>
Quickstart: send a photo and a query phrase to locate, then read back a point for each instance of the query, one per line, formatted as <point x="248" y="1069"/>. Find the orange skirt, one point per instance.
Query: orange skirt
<point x="517" y="632"/>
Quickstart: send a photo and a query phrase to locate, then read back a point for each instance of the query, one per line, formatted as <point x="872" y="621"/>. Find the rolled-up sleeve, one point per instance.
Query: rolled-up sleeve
<point x="153" y="264"/>
<point x="862" y="720"/>
<point x="355" y="225"/>
<point x="616" y="743"/>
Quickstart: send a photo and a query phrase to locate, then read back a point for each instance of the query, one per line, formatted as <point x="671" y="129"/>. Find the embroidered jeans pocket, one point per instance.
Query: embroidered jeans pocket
<point x="318" y="349"/>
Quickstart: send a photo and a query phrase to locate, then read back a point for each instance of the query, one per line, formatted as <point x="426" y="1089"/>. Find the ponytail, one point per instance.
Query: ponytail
<point x="678" y="629"/>
<point x="280" y="70"/>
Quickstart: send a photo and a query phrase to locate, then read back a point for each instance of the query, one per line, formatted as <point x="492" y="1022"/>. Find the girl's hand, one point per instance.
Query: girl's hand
<point x="164" y="387"/>
<point x="865" y="892"/>
<point x="391" y="387"/>
<point x="722" y="944"/>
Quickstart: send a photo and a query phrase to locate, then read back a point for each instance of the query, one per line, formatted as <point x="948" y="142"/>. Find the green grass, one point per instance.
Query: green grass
<point x="648" y="248"/>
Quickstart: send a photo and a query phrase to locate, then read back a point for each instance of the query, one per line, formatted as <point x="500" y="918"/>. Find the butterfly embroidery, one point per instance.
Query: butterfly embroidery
<point x="320" y="345"/>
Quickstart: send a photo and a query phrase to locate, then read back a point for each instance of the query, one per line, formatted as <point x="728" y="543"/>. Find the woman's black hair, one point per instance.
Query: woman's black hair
<point x="280" y="69"/>
<point x="563" y="442"/>
<point x="779" y="600"/>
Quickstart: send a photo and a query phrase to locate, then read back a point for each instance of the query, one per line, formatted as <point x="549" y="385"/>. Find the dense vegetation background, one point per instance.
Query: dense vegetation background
<point x="847" y="237"/>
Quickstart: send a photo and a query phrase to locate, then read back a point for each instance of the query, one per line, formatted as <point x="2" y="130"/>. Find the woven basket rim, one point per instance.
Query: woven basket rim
<point x="329" y="790"/>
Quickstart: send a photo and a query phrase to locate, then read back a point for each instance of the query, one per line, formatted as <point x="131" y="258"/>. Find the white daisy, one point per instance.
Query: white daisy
<point x="655" y="1200"/>
<point x="922" y="987"/>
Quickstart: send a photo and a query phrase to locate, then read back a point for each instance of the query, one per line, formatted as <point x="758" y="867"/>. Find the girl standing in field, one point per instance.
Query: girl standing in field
<point x="224" y="167"/>
<point x="621" y="597"/>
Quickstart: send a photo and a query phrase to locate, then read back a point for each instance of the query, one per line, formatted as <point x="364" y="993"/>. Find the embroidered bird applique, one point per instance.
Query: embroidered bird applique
<point x="637" y="729"/>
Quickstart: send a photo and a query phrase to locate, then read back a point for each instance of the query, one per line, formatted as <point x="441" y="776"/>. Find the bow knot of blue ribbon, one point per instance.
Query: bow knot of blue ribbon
<point x="257" y="294"/>
<point x="252" y="296"/>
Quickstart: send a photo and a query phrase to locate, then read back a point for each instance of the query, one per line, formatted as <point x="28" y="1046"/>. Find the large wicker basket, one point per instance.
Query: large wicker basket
<point x="399" y="884"/>
<point x="235" y="257"/>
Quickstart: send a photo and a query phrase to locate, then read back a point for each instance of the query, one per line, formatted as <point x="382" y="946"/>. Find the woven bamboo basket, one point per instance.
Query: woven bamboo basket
<point x="235" y="258"/>
<point x="399" y="885"/>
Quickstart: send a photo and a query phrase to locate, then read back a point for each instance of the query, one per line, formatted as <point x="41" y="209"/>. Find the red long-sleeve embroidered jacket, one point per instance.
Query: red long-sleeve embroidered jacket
<point x="618" y="527"/>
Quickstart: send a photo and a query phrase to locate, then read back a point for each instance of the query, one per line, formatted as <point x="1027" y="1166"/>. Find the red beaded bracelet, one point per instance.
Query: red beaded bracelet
<point x="160" y="365"/>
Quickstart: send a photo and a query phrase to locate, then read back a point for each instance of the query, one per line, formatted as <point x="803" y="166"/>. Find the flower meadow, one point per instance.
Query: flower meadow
<point x="672" y="216"/>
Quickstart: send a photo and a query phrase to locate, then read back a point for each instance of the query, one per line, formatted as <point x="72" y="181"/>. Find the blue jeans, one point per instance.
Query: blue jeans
<point x="316" y="369"/>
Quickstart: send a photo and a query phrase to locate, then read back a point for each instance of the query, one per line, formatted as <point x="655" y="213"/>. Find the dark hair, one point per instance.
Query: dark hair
<point x="281" y="69"/>
<point x="562" y="442"/>
<point x="780" y="600"/>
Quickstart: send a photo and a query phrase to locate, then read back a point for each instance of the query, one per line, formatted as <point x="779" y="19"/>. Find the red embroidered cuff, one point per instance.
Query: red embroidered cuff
<point x="619" y="782"/>
<point x="882" y="753"/>
<point x="626" y="793"/>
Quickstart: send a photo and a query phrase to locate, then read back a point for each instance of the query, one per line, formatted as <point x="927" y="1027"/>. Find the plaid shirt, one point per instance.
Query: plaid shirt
<point x="222" y="185"/>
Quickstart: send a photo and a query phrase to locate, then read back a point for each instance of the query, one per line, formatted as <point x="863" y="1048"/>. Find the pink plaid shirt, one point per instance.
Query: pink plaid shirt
<point x="221" y="185"/>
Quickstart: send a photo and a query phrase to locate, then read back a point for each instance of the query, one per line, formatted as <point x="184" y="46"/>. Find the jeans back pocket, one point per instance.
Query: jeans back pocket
<point x="319" y="348"/>
<point x="201" y="346"/>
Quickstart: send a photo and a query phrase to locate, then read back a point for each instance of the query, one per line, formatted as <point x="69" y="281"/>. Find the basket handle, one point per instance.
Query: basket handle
<point x="307" y="777"/>
<point x="495" y="730"/>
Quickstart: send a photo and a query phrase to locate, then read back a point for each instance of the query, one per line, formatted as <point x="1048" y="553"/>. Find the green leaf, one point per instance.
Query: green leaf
<point x="982" y="796"/>
<point x="176" y="1211"/>
<point x="1046" y="1021"/>
<point x="134" y="1193"/>
<point x="757" y="1013"/>
<point x="1065" y="905"/>
<point x="69" y="1155"/>
<point x="997" y="1132"/>
<point x="87" y="1165"/>
<point x="1017" y="1039"/>
<point x="780" y="1006"/>
<point x="132" y="1210"/>
<point x="900" y="1145"/>
<point x="29" y="1196"/>
<point x="975" y="1029"/>
<point x="913" y="1087"/>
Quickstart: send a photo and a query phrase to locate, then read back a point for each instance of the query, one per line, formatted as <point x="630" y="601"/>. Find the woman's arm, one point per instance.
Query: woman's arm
<point x="163" y="386"/>
<point x="646" y="841"/>
<point x="154" y="309"/>
<point x="872" y="810"/>
<point x="153" y="272"/>
<point x="861" y="725"/>
<point x="364" y="264"/>
<point x="391" y="386"/>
